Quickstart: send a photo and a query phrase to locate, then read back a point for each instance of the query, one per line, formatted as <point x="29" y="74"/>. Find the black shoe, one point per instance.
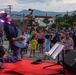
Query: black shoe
<point x="39" y="61"/>
<point x="1" y="60"/>
<point x="1" y="67"/>
<point x="19" y="60"/>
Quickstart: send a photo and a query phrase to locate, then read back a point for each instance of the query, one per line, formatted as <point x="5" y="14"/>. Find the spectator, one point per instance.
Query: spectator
<point x="74" y="38"/>
<point x="34" y="32"/>
<point x="33" y="45"/>
<point x="40" y="37"/>
<point x="68" y="42"/>
<point x="47" y="45"/>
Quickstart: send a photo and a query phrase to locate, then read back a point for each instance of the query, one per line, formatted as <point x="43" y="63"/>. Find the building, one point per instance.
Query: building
<point x="38" y="19"/>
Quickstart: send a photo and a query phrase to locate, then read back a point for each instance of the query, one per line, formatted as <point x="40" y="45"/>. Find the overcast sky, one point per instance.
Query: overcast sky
<point x="44" y="5"/>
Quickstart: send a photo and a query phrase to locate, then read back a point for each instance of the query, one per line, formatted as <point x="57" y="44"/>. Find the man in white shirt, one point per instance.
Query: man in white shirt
<point x="68" y="42"/>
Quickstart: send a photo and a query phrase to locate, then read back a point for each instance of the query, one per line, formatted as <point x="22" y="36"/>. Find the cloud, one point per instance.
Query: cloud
<point x="69" y="1"/>
<point x="4" y="3"/>
<point x="44" y="5"/>
<point x="31" y="1"/>
<point x="58" y="0"/>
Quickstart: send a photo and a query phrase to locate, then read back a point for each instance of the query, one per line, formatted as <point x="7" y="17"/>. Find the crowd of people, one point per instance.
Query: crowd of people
<point x="45" y="39"/>
<point x="41" y="40"/>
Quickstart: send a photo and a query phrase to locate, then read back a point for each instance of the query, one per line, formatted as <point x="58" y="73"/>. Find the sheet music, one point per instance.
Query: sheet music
<point x="53" y="48"/>
<point x="57" y="51"/>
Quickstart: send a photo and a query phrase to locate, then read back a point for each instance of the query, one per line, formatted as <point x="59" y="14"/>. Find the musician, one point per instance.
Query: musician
<point x="11" y="34"/>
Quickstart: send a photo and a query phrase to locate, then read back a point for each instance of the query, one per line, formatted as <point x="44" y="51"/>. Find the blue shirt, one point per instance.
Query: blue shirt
<point x="10" y="31"/>
<point x="47" y="45"/>
<point x="75" y="32"/>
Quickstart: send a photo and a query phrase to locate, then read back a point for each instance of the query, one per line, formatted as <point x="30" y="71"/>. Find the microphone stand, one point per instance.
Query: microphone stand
<point x="60" y="71"/>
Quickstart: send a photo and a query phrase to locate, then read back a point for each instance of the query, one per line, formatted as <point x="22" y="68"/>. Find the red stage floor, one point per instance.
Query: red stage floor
<point x="25" y="67"/>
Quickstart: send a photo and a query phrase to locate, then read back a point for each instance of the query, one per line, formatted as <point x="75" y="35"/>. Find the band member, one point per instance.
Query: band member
<point x="11" y="34"/>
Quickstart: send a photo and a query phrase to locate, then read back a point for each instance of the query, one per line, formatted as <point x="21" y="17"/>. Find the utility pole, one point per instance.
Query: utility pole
<point x="10" y="7"/>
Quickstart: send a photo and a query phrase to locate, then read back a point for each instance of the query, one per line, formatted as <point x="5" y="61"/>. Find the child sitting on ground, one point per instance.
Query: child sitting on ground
<point x="33" y="45"/>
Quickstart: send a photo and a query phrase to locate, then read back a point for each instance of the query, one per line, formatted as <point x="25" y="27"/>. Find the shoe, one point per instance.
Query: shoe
<point x="1" y="60"/>
<point x="19" y="60"/>
<point x="39" y="61"/>
<point x="1" y="67"/>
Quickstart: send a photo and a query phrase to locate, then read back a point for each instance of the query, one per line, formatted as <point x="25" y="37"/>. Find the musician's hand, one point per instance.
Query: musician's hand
<point x="18" y="39"/>
<point x="21" y="39"/>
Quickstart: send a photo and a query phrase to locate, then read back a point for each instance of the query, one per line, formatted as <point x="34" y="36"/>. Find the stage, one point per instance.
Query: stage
<point x="25" y="67"/>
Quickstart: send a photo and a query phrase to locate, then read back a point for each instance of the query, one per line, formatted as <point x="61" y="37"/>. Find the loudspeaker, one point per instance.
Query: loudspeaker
<point x="70" y="60"/>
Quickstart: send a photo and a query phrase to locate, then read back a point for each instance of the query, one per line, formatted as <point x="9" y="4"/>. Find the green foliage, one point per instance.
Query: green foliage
<point x="41" y="27"/>
<point x="46" y="20"/>
<point x="32" y="28"/>
<point x="66" y="25"/>
<point x="16" y="23"/>
<point x="53" y="25"/>
<point x="59" y="19"/>
<point x="64" y="21"/>
<point x="32" y="19"/>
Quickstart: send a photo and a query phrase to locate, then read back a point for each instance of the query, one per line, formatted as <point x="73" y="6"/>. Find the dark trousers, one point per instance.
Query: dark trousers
<point x="15" y="57"/>
<point x="66" y="51"/>
<point x="74" y="44"/>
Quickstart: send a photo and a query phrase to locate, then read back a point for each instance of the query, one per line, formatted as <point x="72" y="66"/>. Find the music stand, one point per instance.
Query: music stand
<point x="54" y="52"/>
<point x="1" y="45"/>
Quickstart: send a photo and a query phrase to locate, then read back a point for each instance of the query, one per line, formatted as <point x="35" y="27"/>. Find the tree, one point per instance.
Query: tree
<point x="46" y="20"/>
<point x="59" y="18"/>
<point x="53" y="25"/>
<point x="32" y="19"/>
<point x="66" y="25"/>
<point x="16" y="22"/>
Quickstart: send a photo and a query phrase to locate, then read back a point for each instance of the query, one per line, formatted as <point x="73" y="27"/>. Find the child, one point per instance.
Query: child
<point x="47" y="45"/>
<point x="33" y="45"/>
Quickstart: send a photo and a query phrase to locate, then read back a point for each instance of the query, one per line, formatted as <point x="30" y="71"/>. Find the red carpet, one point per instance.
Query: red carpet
<point x="25" y="67"/>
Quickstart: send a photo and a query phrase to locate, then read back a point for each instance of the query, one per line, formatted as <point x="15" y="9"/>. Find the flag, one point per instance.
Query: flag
<point x="72" y="23"/>
<point x="46" y="15"/>
<point x="67" y="14"/>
